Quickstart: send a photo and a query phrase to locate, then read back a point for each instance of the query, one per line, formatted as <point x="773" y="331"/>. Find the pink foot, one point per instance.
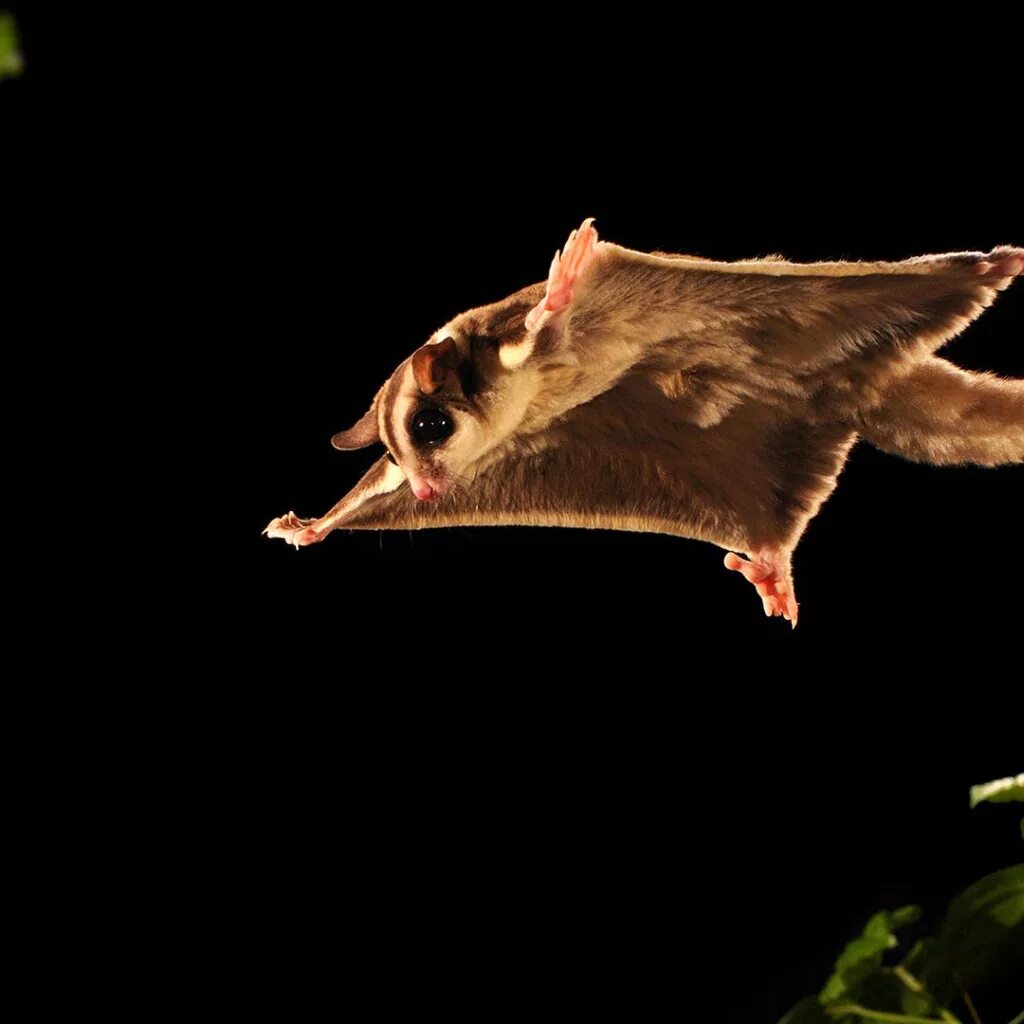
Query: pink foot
<point x="566" y="269"/>
<point x="1009" y="265"/>
<point x="293" y="530"/>
<point x="770" y="574"/>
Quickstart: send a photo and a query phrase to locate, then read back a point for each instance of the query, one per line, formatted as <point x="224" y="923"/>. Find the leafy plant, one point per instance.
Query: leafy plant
<point x="981" y="940"/>
<point x="11" y="62"/>
<point x="998" y="792"/>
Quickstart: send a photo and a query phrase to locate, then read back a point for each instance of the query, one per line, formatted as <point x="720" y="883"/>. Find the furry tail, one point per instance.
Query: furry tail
<point x="942" y="414"/>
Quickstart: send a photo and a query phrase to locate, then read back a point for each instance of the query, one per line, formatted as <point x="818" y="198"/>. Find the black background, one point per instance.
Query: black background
<point x="483" y="773"/>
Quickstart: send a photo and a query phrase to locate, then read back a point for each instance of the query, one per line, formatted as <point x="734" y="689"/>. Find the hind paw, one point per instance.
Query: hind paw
<point x="771" y="577"/>
<point x="1002" y="265"/>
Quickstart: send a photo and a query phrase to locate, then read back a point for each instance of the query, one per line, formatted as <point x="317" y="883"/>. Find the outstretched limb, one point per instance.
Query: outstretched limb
<point x="295" y="531"/>
<point x="780" y="317"/>
<point x="382" y="478"/>
<point x="941" y="414"/>
<point x="772" y="577"/>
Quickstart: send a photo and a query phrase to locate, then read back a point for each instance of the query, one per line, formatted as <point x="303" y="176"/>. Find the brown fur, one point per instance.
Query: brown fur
<point x="625" y="462"/>
<point x="710" y="400"/>
<point x="944" y="415"/>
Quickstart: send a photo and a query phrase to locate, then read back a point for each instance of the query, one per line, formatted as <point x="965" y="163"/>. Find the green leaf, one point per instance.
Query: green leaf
<point x="882" y="990"/>
<point x="916" y="1001"/>
<point x="999" y="896"/>
<point x="920" y="954"/>
<point x="903" y="916"/>
<point x="863" y="956"/>
<point x="1002" y="791"/>
<point x="982" y="936"/>
<point x="10" y="56"/>
<point x="807" y="1011"/>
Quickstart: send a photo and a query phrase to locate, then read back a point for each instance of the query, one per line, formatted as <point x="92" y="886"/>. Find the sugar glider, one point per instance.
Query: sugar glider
<point x="674" y="394"/>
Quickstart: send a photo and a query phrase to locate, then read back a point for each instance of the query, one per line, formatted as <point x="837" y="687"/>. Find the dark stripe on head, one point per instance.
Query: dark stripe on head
<point x="507" y="323"/>
<point x="469" y="376"/>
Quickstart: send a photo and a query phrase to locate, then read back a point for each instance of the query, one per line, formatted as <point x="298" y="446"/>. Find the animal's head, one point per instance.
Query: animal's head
<point x="454" y="400"/>
<point x="473" y="385"/>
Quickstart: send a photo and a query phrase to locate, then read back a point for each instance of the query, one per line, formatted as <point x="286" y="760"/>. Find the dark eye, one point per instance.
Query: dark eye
<point x="430" y="425"/>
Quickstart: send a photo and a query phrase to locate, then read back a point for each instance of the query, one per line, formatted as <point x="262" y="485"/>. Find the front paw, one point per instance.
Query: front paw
<point x="292" y="529"/>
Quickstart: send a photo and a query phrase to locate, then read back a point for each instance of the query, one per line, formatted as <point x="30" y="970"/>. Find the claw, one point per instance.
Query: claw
<point x="566" y="269"/>
<point x="293" y="530"/>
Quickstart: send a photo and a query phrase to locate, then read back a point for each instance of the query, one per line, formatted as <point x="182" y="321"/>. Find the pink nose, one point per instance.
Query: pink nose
<point x="424" y="491"/>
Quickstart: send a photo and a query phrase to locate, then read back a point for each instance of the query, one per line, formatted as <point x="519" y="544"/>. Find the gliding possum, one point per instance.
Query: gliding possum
<point x="679" y="395"/>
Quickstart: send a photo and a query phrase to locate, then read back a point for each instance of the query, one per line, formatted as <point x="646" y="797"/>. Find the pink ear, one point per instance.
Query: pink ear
<point x="432" y="363"/>
<point x="364" y="433"/>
